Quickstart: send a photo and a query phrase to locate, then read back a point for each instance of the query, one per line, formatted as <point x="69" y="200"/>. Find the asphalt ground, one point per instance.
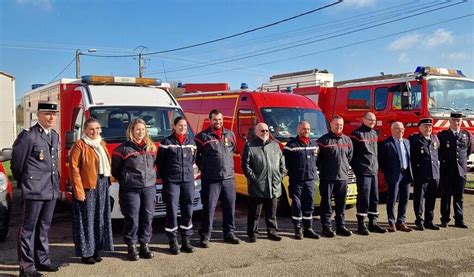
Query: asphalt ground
<point x="448" y="252"/>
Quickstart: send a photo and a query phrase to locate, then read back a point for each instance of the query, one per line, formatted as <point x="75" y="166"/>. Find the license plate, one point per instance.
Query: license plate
<point x="159" y="198"/>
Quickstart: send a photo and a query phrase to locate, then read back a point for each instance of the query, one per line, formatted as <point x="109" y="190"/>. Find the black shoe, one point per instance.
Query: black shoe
<point x="273" y="235"/>
<point x="145" y="251"/>
<point x="419" y="227"/>
<point x="431" y="226"/>
<point x="231" y="238"/>
<point x="461" y="225"/>
<point x="298" y="233"/>
<point x="343" y="231"/>
<point x="132" y="252"/>
<point x="174" y="249"/>
<point x="47" y="268"/>
<point x="97" y="257"/>
<point x="204" y="241"/>
<point x="186" y="245"/>
<point x="444" y="224"/>
<point x="252" y="238"/>
<point x="375" y="228"/>
<point x="31" y="274"/>
<point x="362" y="230"/>
<point x="328" y="233"/>
<point x="88" y="260"/>
<point x="310" y="233"/>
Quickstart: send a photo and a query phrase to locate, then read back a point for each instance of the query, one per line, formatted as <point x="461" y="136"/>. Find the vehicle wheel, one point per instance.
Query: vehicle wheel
<point x="4" y="222"/>
<point x="284" y="208"/>
<point x="350" y="206"/>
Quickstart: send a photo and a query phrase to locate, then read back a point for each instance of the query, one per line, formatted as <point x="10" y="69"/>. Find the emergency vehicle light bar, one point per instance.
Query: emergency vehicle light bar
<point x="111" y="80"/>
<point x="428" y="70"/>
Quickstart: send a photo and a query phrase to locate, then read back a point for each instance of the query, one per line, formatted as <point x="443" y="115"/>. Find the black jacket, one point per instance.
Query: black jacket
<point x="424" y="158"/>
<point x="215" y="158"/>
<point x="389" y="160"/>
<point x="175" y="161"/>
<point x="454" y="153"/>
<point x="34" y="164"/>
<point x="133" y="166"/>
<point x="264" y="166"/>
<point x="301" y="160"/>
<point x="364" y="161"/>
<point x="335" y="154"/>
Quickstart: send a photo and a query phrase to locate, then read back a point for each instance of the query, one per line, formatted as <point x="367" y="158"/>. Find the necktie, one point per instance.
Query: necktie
<point x="456" y="134"/>
<point x="49" y="137"/>
<point x="403" y="155"/>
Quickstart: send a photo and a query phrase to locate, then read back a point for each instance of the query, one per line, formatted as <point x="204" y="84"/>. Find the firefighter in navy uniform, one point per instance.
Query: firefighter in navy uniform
<point x="365" y="165"/>
<point x="215" y="159"/>
<point x="425" y="165"/>
<point x="300" y="157"/>
<point x="35" y="168"/>
<point x="454" y="151"/>
<point x="335" y="154"/>
<point x="175" y="161"/>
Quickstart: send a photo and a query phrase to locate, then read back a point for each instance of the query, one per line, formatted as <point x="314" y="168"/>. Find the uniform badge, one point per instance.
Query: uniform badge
<point x="316" y="151"/>
<point x="226" y="142"/>
<point x="435" y="145"/>
<point x="41" y="155"/>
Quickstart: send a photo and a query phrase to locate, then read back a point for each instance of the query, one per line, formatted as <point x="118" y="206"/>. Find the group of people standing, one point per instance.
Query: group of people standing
<point x="137" y="163"/>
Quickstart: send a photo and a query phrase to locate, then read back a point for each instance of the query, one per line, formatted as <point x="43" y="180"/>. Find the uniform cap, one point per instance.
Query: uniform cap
<point x="425" y="121"/>
<point x="457" y="115"/>
<point x="47" y="107"/>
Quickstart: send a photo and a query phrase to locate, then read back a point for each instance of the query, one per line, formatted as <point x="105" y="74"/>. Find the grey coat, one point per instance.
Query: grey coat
<point x="264" y="166"/>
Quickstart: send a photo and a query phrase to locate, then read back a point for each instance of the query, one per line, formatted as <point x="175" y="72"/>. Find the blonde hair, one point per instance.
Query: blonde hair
<point x="150" y="145"/>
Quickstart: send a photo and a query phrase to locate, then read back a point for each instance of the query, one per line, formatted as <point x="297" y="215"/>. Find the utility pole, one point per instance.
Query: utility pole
<point x="78" y="60"/>
<point x="141" y="60"/>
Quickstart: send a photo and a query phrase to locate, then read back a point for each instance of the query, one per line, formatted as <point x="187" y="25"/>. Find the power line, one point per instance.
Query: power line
<point x="334" y="48"/>
<point x="223" y="38"/>
<point x="240" y="57"/>
<point x="64" y="69"/>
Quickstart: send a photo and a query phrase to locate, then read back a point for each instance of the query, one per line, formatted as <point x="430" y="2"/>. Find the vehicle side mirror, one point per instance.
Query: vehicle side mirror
<point x="6" y="154"/>
<point x="70" y="139"/>
<point x="406" y="95"/>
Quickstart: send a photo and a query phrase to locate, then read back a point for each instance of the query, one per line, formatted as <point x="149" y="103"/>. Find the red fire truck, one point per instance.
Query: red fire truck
<point x="114" y="101"/>
<point x="427" y="92"/>
<point x="243" y="109"/>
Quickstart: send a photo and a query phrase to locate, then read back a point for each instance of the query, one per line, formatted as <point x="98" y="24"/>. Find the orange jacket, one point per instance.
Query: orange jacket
<point x="84" y="167"/>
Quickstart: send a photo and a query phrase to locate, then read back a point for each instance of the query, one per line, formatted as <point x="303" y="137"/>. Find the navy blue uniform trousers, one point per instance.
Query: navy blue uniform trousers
<point x="424" y="194"/>
<point x="35" y="221"/>
<point x="302" y="206"/>
<point x="328" y="188"/>
<point x="137" y="206"/>
<point x="179" y="195"/>
<point x="453" y="186"/>
<point x="400" y="190"/>
<point x="211" y="191"/>
<point x="367" y="196"/>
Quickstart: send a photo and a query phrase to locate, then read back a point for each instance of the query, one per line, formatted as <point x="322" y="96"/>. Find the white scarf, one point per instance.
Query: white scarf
<point x="104" y="165"/>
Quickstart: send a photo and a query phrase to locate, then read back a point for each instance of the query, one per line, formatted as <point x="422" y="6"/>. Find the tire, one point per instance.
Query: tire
<point x="4" y="220"/>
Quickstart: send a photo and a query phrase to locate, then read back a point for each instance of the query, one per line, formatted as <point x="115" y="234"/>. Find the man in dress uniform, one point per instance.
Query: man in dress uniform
<point x="365" y="166"/>
<point x="215" y="159"/>
<point x="335" y="154"/>
<point x="35" y="168"/>
<point x="300" y="156"/>
<point x="454" y="151"/>
<point x="424" y="162"/>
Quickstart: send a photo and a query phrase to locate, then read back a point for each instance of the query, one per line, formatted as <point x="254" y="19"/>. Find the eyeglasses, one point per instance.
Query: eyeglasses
<point x="370" y="119"/>
<point x="264" y="131"/>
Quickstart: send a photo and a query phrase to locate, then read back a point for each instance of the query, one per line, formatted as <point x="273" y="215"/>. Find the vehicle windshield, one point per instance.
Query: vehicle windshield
<point x="447" y="95"/>
<point x="282" y="122"/>
<point x="114" y="121"/>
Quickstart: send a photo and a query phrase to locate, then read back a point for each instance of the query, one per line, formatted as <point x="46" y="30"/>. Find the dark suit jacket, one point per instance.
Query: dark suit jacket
<point x="389" y="161"/>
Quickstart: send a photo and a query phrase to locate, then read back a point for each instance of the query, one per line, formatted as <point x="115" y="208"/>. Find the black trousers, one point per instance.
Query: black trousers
<point x="328" y="188"/>
<point x="302" y="206"/>
<point x="255" y="208"/>
<point x="452" y="186"/>
<point x="367" y="196"/>
<point x="179" y="195"/>
<point x="424" y="194"/>
<point x="33" y="243"/>
<point x="138" y="207"/>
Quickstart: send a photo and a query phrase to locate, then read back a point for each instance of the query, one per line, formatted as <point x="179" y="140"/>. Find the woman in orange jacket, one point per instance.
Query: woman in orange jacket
<point x="90" y="171"/>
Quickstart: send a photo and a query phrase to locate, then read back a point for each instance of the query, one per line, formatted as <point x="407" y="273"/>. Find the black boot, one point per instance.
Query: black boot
<point x="132" y="253"/>
<point x="310" y="233"/>
<point x="362" y="229"/>
<point x="375" y="228"/>
<point x="145" y="251"/>
<point x="186" y="245"/>
<point x="174" y="249"/>
<point x="298" y="232"/>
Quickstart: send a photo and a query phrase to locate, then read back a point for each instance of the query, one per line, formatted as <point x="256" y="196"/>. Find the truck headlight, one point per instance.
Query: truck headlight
<point x="3" y="182"/>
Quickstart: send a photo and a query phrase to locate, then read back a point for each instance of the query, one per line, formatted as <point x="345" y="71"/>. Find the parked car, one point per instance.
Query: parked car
<point x="6" y="195"/>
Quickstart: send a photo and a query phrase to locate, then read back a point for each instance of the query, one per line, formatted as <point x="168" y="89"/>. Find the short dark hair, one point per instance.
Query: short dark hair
<point x="337" y="117"/>
<point x="178" y="119"/>
<point x="214" y="111"/>
<point x="89" y="121"/>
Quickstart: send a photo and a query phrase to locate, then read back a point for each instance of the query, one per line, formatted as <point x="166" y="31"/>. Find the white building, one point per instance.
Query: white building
<point x="7" y="110"/>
